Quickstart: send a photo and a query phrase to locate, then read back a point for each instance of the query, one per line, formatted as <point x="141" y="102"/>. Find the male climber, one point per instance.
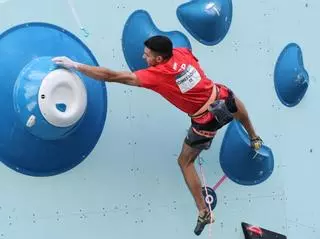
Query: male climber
<point x="177" y="76"/>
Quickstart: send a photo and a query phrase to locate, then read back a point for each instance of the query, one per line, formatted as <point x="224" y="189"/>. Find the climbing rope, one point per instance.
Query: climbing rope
<point x="209" y="199"/>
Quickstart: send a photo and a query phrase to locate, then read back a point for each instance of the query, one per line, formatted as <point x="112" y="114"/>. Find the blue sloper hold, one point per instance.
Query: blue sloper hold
<point x="138" y="28"/>
<point x="240" y="162"/>
<point x="208" y="21"/>
<point x="51" y="118"/>
<point x="290" y="77"/>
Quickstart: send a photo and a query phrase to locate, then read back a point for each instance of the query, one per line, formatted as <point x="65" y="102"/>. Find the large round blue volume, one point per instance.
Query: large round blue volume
<point x="240" y="162"/>
<point x="52" y="117"/>
<point x="138" y="28"/>
<point x="290" y="77"/>
<point x="208" y="21"/>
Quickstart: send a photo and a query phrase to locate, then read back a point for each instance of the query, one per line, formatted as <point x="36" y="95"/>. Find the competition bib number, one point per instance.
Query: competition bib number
<point x="188" y="79"/>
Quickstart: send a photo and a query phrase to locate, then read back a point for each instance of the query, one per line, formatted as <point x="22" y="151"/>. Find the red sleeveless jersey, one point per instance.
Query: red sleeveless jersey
<point x="180" y="80"/>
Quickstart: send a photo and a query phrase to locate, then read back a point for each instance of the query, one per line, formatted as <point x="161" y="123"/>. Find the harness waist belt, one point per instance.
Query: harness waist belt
<point x="214" y="95"/>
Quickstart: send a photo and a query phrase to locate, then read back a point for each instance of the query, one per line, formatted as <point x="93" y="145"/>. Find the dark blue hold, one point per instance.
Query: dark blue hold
<point x="138" y="28"/>
<point x="208" y="21"/>
<point x="240" y="162"/>
<point x="210" y="197"/>
<point x="290" y="77"/>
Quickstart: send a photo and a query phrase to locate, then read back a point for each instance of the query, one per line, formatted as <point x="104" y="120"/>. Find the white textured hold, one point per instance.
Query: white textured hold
<point x="31" y="121"/>
<point x="62" y="87"/>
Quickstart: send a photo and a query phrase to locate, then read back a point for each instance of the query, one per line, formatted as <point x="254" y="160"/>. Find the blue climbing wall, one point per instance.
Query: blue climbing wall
<point x="114" y="174"/>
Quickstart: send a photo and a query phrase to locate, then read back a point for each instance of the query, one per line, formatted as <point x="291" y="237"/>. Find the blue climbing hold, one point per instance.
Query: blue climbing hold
<point x="240" y="162"/>
<point x="208" y="21"/>
<point x="52" y="117"/>
<point x="290" y="77"/>
<point x="138" y="28"/>
<point x="38" y="92"/>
